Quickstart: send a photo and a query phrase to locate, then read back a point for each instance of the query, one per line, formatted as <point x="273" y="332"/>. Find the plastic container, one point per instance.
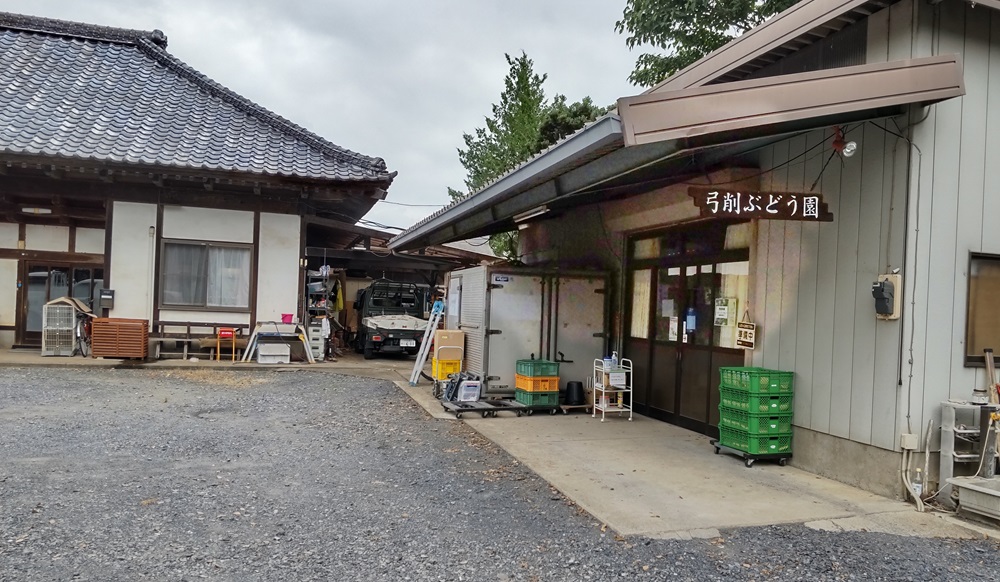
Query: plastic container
<point x="537" y="398"/>
<point x="755" y="444"/>
<point x="757" y="380"/>
<point x="537" y="368"/>
<point x="536" y="383"/>
<point x="755" y="423"/>
<point x="441" y="368"/>
<point x="755" y="403"/>
<point x="287" y="317"/>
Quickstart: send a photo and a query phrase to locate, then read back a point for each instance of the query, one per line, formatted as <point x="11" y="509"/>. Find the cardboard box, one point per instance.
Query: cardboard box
<point x="449" y="344"/>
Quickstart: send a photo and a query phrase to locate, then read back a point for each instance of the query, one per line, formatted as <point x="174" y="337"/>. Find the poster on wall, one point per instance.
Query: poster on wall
<point x="725" y="311"/>
<point x="746" y="335"/>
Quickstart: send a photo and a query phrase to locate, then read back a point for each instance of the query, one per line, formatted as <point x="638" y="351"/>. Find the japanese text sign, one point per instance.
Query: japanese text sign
<point x="768" y="205"/>
<point x="746" y="335"/>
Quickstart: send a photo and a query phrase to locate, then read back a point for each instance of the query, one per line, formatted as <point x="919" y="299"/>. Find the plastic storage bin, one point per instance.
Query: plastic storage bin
<point x="755" y="444"/>
<point x="536" y="383"/>
<point x="536" y="398"/>
<point x="755" y="423"/>
<point x="755" y="403"/>
<point x="537" y="368"/>
<point x="757" y="380"/>
<point x="441" y="368"/>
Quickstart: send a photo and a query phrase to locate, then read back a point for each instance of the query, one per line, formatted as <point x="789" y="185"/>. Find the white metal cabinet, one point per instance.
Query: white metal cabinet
<point x="510" y="313"/>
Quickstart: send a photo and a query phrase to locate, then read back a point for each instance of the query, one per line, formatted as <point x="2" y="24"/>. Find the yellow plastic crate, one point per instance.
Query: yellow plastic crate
<point x="536" y="383"/>
<point x="441" y="368"/>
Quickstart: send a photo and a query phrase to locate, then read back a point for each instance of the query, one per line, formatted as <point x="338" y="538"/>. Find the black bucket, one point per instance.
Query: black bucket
<point x="574" y="393"/>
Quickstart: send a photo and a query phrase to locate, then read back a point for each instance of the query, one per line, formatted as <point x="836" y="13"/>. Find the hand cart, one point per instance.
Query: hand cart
<point x="749" y="458"/>
<point x="485" y="407"/>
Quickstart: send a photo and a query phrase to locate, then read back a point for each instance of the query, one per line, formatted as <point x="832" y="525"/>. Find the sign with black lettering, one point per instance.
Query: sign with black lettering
<point x="721" y="203"/>
<point x="746" y="335"/>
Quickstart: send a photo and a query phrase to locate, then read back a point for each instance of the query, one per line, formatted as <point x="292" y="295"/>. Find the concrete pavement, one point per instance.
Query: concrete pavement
<point x="643" y="477"/>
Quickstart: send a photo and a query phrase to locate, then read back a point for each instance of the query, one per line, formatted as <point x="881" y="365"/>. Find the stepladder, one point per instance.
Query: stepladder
<point x="425" y="344"/>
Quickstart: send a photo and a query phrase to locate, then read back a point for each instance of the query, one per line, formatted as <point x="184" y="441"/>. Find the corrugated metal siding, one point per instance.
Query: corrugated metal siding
<point x="843" y="48"/>
<point x="812" y="294"/>
<point x="474" y="317"/>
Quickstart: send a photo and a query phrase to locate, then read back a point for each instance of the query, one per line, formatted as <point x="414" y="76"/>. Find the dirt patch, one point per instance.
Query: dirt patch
<point x="223" y="379"/>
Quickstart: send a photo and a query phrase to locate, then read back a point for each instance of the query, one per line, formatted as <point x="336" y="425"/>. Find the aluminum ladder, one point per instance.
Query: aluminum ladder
<point x="425" y="345"/>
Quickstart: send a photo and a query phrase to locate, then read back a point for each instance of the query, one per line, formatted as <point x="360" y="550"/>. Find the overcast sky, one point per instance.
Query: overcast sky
<point x="397" y="79"/>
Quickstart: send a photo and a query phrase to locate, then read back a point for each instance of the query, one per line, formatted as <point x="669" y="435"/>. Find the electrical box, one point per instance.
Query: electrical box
<point x="106" y="300"/>
<point x="887" y="291"/>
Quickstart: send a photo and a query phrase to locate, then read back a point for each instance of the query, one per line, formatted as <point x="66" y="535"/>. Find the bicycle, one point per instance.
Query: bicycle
<point x="81" y="334"/>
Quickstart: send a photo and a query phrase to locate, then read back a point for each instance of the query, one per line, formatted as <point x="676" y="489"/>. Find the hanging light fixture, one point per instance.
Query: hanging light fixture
<point x="844" y="148"/>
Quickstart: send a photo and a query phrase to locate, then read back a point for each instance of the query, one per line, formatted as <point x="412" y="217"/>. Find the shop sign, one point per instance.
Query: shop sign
<point x="721" y="203"/>
<point x="746" y="335"/>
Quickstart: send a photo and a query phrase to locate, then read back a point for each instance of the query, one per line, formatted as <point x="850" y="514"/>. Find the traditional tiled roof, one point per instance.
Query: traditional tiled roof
<point x="117" y="96"/>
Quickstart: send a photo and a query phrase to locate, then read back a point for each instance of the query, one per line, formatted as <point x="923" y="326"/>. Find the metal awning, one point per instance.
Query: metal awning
<point x="659" y="133"/>
<point x="786" y="103"/>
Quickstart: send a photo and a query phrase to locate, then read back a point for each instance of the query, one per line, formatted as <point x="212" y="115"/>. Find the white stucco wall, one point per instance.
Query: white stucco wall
<point x="278" y="266"/>
<point x="131" y="251"/>
<point x="90" y="240"/>
<point x="8" y="235"/>
<point x="46" y="238"/>
<point x="207" y="224"/>
<point x="8" y="292"/>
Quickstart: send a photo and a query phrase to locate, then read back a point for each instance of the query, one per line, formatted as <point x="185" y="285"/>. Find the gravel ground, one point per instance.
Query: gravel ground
<point x="262" y="475"/>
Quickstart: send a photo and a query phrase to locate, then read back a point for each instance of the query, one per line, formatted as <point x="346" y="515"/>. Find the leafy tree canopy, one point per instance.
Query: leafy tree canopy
<point x="522" y="124"/>
<point x="687" y="30"/>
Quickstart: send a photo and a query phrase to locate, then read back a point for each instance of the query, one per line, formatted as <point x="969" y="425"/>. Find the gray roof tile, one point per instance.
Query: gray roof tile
<point x="109" y="94"/>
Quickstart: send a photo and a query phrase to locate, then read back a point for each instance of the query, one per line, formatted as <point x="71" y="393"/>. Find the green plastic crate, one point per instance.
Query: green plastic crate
<point x="771" y="444"/>
<point x="755" y="423"/>
<point x="757" y="380"/>
<point x="537" y="368"/>
<point x="536" y="398"/>
<point x="755" y="403"/>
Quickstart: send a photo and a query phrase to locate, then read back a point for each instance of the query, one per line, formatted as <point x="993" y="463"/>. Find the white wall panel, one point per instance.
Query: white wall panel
<point x="90" y="240"/>
<point x="8" y="235"/>
<point x="39" y="237"/>
<point x="278" y="266"/>
<point x="8" y="291"/>
<point x="184" y="222"/>
<point x="132" y="256"/>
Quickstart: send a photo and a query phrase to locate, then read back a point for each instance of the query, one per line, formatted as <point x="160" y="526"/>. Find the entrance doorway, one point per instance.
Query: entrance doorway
<point x="45" y="281"/>
<point x="688" y="289"/>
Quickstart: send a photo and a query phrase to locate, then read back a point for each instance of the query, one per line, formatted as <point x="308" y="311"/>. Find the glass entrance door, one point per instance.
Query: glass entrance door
<point x="682" y="325"/>
<point x="44" y="282"/>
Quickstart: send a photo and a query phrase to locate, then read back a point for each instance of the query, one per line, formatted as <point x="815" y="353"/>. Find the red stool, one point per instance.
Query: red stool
<point x="225" y="333"/>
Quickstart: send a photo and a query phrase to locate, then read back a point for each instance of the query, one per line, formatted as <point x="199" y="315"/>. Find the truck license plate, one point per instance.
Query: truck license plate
<point x="405" y="343"/>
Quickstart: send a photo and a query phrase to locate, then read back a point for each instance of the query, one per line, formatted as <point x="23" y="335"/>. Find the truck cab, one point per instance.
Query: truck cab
<point x="390" y="318"/>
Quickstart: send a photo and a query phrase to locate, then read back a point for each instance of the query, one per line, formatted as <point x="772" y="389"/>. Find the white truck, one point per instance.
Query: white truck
<point x="390" y="318"/>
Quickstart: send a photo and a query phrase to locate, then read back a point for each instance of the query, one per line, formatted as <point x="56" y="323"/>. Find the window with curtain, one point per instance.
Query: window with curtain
<point x="205" y="275"/>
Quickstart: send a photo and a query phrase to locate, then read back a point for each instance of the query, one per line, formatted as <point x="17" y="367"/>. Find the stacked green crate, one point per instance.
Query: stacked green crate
<point x="528" y="369"/>
<point x="755" y="410"/>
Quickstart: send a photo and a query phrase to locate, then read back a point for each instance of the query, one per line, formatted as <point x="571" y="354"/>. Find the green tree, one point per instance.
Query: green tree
<point x="522" y="124"/>
<point x="561" y="119"/>
<point x="687" y="30"/>
<point x="511" y="134"/>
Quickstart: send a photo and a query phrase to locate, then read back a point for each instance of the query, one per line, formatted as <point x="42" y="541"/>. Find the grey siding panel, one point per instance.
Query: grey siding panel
<point x="806" y="328"/>
<point x="845" y="302"/>
<point x="900" y="30"/>
<point x="759" y="312"/>
<point x="884" y="413"/>
<point x="869" y="247"/>
<point x="972" y="173"/>
<point x="943" y="233"/>
<point x="991" y="202"/>
<point x="878" y="37"/>
<point x="790" y="180"/>
<point x="826" y="262"/>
